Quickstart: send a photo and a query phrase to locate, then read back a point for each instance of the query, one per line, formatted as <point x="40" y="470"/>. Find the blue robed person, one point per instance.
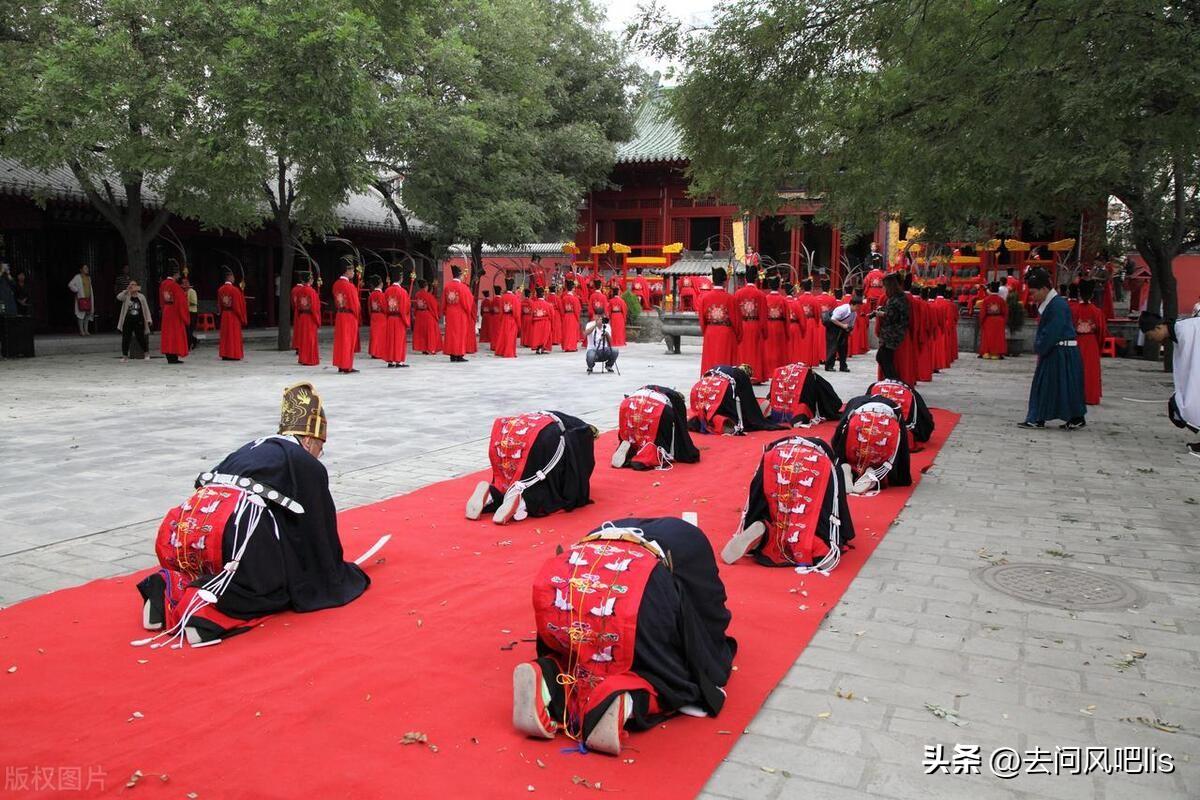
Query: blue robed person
<point x="1057" y="390"/>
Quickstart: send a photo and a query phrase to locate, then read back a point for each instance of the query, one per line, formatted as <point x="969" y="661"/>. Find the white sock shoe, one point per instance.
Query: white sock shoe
<point x="477" y="500"/>
<point x="621" y="454"/>
<point x="742" y="541"/>
<point x="508" y="509"/>
<point x="606" y="736"/>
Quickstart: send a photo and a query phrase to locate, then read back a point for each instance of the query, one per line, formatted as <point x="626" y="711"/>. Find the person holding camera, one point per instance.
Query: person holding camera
<point x="134" y="320"/>
<point x="839" y="321"/>
<point x="600" y="346"/>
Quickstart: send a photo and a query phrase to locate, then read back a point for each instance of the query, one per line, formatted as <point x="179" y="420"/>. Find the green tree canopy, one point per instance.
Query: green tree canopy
<point x="960" y="116"/>
<point x="522" y="111"/>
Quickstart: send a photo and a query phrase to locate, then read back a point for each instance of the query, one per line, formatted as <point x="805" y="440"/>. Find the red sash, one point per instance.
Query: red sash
<point x="787" y="384"/>
<point x="706" y="398"/>
<point x="190" y="536"/>
<point x="872" y="440"/>
<point x="898" y="393"/>
<point x="585" y="604"/>
<point x="639" y="419"/>
<point x="512" y="441"/>
<point x="796" y="480"/>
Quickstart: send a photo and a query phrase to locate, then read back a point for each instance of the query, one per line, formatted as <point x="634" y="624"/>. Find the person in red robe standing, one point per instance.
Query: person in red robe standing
<point x="508" y="322"/>
<point x="427" y="338"/>
<point x="752" y="308"/>
<point x="618" y="312"/>
<point x="347" y="318"/>
<point x="873" y="291"/>
<point x="1091" y="329"/>
<point x="797" y="341"/>
<point x="307" y="324"/>
<point x="776" y="350"/>
<point x="825" y="301"/>
<point x="458" y="307"/>
<point x="905" y="354"/>
<point x="950" y="312"/>
<point x="687" y="294"/>
<point x="494" y="321"/>
<point x="570" y="319"/>
<point x="485" y="315"/>
<point x="993" y="317"/>
<point x="397" y="307"/>
<point x="539" y="323"/>
<point x="597" y="302"/>
<point x="232" y="304"/>
<point x="1105" y="273"/>
<point x="173" y="305"/>
<point x="703" y="284"/>
<point x="297" y="291"/>
<point x="814" y="331"/>
<point x="924" y="337"/>
<point x="859" y="343"/>
<point x="720" y="324"/>
<point x="641" y="288"/>
<point x="378" y="318"/>
<point x="555" y="300"/>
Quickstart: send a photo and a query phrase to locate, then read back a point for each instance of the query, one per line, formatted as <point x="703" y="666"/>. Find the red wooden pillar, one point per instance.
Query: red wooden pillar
<point x="835" y="257"/>
<point x="273" y="307"/>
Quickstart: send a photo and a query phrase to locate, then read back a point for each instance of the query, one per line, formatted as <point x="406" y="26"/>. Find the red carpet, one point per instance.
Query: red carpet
<point x="316" y="705"/>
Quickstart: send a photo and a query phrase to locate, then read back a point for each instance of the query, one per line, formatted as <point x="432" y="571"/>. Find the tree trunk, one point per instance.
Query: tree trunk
<point x="135" y="256"/>
<point x="476" y="265"/>
<point x="1159" y="255"/>
<point x="284" y="340"/>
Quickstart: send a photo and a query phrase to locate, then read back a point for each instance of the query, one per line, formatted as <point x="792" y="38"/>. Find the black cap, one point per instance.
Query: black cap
<point x="719" y="276"/>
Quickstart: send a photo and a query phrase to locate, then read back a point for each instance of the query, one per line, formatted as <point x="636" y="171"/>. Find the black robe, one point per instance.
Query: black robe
<point x="304" y="569"/>
<point x="681" y="647"/>
<point x="568" y="485"/>
<point x="675" y="429"/>
<point x="901" y="472"/>
<point x="920" y="419"/>
<point x="752" y="418"/>
<point x="757" y="510"/>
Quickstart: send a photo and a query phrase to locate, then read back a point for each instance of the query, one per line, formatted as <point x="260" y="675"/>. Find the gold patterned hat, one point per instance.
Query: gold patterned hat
<point x="302" y="414"/>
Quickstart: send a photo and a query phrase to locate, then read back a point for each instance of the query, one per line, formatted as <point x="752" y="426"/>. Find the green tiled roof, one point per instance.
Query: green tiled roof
<point x="655" y="137"/>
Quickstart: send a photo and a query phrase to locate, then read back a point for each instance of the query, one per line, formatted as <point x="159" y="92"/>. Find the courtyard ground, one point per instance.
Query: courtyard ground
<point x="923" y="649"/>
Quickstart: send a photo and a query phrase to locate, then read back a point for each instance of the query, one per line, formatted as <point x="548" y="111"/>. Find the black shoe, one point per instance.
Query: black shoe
<point x="402" y="366"/>
<point x="844" y="368"/>
<point x="1074" y="424"/>
<point x="1031" y="424"/>
<point x="829" y="369"/>
<point x="1194" y="449"/>
<point x="589" y="370"/>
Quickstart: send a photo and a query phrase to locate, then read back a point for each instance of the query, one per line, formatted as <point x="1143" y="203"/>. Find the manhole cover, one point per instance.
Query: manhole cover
<point x="1064" y="587"/>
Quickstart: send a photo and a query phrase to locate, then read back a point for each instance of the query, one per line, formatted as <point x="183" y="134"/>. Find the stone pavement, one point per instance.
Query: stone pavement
<point x="93" y="451"/>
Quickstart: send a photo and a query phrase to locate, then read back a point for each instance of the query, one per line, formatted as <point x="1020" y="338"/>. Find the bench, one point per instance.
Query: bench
<point x="676" y="325"/>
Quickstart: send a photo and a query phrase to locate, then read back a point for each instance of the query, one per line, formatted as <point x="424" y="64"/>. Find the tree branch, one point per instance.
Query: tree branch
<point x="107" y="210"/>
<point x="157" y="223"/>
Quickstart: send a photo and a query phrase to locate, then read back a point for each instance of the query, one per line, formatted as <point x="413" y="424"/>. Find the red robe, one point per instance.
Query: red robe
<point x="721" y="326"/>
<point x="925" y="341"/>
<point x="526" y="321"/>
<point x="993" y="313"/>
<point x="398" y="308"/>
<point x="570" y="322"/>
<point x="641" y="288"/>
<point x="232" y="304"/>
<point x="687" y="293"/>
<point x="458" y="306"/>
<point x="797" y="331"/>
<point x="347" y="316"/>
<point x="906" y="353"/>
<point x="307" y="324"/>
<point x="508" y="321"/>
<point x="426" y="336"/>
<point x="859" y="342"/>
<point x="617" y="311"/>
<point x="951" y="312"/>
<point x="814" y="330"/>
<point x="777" y="350"/>
<point x="752" y="309"/>
<point x="539" y="324"/>
<point x="1091" y="329"/>
<point x="173" y="306"/>
<point x="375" y="347"/>
<point x="873" y="289"/>
<point x="494" y="320"/>
<point x="485" y="318"/>
<point x="597" y="304"/>
<point x="297" y="290"/>
<point x="555" y="319"/>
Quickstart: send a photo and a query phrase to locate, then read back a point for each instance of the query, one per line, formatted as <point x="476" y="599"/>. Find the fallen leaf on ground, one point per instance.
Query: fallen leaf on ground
<point x="1156" y="724"/>
<point x="944" y="713"/>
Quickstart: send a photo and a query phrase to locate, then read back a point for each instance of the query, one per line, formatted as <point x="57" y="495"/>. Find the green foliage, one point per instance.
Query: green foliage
<point x="959" y="116"/>
<point x="633" y="305"/>
<point x="521" y="111"/>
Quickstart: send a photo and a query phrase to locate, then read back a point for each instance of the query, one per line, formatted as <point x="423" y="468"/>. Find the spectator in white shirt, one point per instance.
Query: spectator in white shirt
<point x="599" y="345"/>
<point x="837" y="332"/>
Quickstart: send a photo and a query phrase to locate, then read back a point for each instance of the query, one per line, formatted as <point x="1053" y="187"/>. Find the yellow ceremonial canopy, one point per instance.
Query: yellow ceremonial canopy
<point x="1011" y="245"/>
<point x="1061" y="246"/>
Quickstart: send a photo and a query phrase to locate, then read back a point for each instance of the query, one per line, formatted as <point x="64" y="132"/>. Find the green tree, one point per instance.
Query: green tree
<point x="960" y="116"/>
<point x="521" y="118"/>
<point x="109" y="90"/>
<point x="297" y="84"/>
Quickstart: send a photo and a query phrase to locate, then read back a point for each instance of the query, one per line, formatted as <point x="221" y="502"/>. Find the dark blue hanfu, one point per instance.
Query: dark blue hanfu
<point x="1057" y="390"/>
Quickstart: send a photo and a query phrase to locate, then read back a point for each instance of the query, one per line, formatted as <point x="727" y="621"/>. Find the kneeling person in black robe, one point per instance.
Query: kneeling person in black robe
<point x="258" y="536"/>
<point x="631" y="628"/>
<point x="723" y="401"/>
<point x="871" y="444"/>
<point x="913" y="411"/>
<point x="542" y="462"/>
<point x="799" y="397"/>
<point x="796" y="513"/>
<point x="652" y="430"/>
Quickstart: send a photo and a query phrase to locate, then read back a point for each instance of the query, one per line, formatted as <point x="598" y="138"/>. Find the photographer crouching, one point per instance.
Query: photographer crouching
<point x="599" y="345"/>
